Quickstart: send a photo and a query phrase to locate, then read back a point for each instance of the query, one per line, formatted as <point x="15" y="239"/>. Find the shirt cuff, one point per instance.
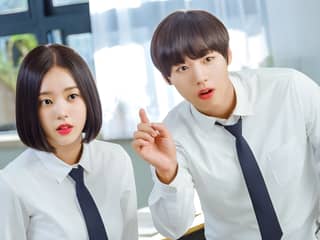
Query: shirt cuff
<point x="166" y="191"/>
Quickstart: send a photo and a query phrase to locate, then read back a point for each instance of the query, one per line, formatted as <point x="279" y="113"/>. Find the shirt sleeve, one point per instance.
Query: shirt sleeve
<point x="308" y="95"/>
<point x="12" y="217"/>
<point x="129" y="201"/>
<point x="172" y="206"/>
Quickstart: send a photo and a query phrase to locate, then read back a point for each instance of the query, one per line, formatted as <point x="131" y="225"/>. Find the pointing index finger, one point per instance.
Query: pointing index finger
<point x="143" y="116"/>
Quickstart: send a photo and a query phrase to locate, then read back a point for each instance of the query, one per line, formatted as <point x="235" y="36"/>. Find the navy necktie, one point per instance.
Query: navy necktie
<point x="265" y="213"/>
<point x="94" y="223"/>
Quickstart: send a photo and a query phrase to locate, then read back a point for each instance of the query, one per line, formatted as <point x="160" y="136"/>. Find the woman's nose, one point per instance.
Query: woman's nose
<point x="61" y="109"/>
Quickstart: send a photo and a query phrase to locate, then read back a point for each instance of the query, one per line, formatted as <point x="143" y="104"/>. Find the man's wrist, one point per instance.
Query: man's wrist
<point x="167" y="176"/>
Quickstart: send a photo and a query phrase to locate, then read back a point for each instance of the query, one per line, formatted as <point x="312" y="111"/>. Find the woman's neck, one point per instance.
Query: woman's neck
<point x="70" y="154"/>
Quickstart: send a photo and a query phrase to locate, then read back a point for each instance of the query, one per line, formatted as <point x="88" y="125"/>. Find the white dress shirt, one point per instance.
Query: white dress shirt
<point x="49" y="205"/>
<point x="10" y="214"/>
<point x="280" y="109"/>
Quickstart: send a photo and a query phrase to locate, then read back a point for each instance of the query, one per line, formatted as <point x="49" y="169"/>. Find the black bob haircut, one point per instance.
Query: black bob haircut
<point x="33" y="68"/>
<point x="192" y="34"/>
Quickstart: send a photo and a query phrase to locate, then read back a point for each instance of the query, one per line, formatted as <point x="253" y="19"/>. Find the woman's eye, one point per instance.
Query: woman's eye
<point x="73" y="96"/>
<point x="45" y="102"/>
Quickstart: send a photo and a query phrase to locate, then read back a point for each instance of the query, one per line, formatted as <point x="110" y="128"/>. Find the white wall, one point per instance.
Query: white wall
<point x="295" y="34"/>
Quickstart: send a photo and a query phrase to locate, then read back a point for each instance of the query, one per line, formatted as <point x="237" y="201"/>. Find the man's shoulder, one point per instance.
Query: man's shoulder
<point x="178" y="116"/>
<point x="267" y="75"/>
<point x="177" y="112"/>
<point x="261" y="80"/>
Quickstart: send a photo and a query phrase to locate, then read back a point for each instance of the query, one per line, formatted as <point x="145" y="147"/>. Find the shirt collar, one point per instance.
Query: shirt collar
<point x="58" y="168"/>
<point x="244" y="105"/>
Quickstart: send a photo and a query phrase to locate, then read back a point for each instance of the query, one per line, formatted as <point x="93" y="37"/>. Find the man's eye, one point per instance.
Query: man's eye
<point x="209" y="59"/>
<point x="182" y="68"/>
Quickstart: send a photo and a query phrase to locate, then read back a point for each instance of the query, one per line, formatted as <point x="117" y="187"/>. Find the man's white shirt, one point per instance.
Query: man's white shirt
<point x="280" y="111"/>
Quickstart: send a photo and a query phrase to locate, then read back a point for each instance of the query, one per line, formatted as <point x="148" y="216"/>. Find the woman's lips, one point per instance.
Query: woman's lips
<point x="64" y="129"/>
<point x="206" y="93"/>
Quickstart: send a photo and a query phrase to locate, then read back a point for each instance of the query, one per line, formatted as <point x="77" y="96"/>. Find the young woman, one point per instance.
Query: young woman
<point x="69" y="185"/>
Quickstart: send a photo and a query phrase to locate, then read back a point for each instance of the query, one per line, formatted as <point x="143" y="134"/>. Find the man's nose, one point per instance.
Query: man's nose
<point x="200" y="74"/>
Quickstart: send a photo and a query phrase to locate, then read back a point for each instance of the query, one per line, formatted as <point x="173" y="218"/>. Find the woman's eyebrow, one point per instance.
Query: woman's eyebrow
<point x="66" y="89"/>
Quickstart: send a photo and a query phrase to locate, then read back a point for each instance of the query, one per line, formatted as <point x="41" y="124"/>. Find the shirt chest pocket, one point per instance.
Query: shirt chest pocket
<point x="285" y="162"/>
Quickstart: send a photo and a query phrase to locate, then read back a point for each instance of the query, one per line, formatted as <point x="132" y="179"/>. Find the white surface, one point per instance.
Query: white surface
<point x="145" y="223"/>
<point x="147" y="230"/>
<point x="9" y="139"/>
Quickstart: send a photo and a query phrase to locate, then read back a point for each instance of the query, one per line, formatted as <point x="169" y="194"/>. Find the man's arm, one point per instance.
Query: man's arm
<point x="308" y="95"/>
<point x="172" y="205"/>
<point x="129" y="202"/>
<point x="171" y="200"/>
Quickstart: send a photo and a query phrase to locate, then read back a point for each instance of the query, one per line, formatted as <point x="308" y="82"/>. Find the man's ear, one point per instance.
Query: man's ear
<point x="229" y="56"/>
<point x="168" y="80"/>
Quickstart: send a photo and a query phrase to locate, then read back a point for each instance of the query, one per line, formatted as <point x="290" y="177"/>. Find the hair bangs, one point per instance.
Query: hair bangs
<point x="191" y="34"/>
<point x="191" y="44"/>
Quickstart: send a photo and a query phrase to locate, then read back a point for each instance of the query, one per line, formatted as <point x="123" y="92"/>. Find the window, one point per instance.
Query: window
<point x="57" y="3"/>
<point x="125" y="74"/>
<point x="13" y="6"/>
<point x="26" y="23"/>
<point x="12" y="50"/>
<point x="82" y="43"/>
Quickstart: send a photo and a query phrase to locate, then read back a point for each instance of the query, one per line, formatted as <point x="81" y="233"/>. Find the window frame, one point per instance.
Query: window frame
<point x="42" y="17"/>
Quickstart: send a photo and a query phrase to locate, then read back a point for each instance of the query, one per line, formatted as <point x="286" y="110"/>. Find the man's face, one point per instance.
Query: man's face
<point x="204" y="82"/>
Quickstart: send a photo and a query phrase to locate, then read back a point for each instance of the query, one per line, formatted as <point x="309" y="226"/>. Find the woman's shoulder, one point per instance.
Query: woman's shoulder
<point x="110" y="156"/>
<point x="105" y="146"/>
<point x="21" y="163"/>
<point x="18" y="173"/>
<point x="6" y="192"/>
<point x="107" y="149"/>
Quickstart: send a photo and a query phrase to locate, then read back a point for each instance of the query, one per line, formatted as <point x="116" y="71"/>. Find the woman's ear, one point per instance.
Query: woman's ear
<point x="229" y="56"/>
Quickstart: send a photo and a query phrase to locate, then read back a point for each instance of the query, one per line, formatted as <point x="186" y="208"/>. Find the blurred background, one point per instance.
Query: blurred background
<point x="113" y="36"/>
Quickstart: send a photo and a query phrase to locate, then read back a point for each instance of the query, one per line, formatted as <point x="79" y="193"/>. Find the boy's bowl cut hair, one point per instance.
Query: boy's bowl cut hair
<point x="192" y="34"/>
<point x="33" y="68"/>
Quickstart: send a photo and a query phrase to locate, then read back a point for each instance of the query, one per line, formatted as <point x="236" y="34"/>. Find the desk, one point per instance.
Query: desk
<point x="148" y="232"/>
<point x="195" y="232"/>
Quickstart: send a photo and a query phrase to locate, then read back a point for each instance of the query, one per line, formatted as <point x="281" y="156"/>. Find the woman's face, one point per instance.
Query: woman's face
<point x="62" y="110"/>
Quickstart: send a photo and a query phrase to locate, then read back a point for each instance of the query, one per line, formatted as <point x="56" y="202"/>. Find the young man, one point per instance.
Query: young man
<point x="246" y="141"/>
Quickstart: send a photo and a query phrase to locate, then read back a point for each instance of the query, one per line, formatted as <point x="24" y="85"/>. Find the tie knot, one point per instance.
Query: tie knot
<point x="77" y="174"/>
<point x="235" y="130"/>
